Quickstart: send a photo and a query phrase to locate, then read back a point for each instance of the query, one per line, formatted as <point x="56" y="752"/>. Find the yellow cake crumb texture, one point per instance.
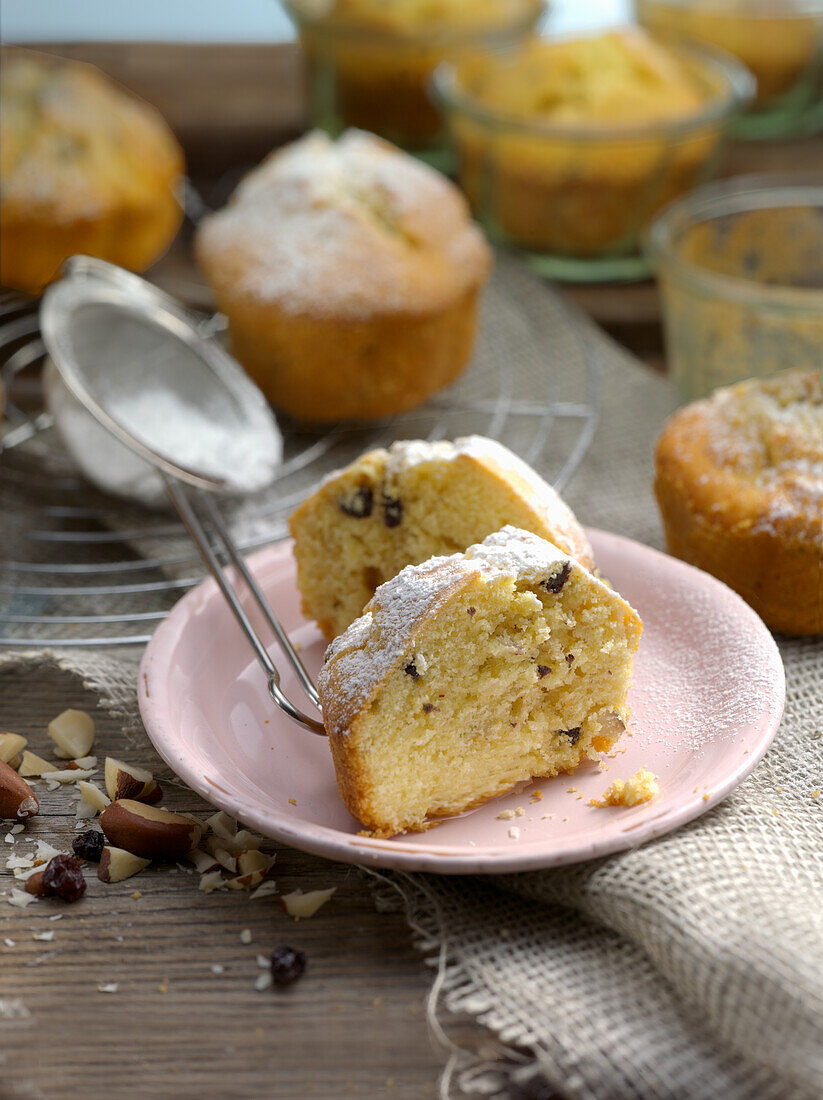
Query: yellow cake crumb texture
<point x="641" y="787"/>
<point x="455" y="685"/>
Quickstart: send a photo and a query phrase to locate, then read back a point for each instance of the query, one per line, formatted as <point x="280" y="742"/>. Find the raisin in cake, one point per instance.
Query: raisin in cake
<point x="469" y="673"/>
<point x="398" y="507"/>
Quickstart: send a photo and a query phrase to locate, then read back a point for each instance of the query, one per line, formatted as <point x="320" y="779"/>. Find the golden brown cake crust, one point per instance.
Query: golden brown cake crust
<point x="85" y="167"/>
<point x="349" y="273"/>
<point x="739" y="483"/>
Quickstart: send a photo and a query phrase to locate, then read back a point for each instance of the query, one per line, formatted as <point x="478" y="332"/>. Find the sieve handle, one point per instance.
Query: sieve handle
<point x="214" y="541"/>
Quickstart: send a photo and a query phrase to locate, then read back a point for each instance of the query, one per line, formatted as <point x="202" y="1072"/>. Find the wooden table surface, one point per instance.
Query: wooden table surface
<point x="354" y="1025"/>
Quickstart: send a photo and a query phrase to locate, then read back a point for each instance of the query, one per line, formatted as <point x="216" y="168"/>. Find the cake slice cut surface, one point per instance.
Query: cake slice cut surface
<point x="401" y="506"/>
<point x="470" y="673"/>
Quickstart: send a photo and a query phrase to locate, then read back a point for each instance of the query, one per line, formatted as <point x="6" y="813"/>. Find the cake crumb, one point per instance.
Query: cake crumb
<point x="571" y="790"/>
<point x="641" y="787"/>
<point x="536" y="796"/>
<point x="706" y="797"/>
<point x="505" y="815"/>
<point x="514" y="832"/>
<point x="547" y="817"/>
<point x="815" y="794"/>
<point x="519" y="811"/>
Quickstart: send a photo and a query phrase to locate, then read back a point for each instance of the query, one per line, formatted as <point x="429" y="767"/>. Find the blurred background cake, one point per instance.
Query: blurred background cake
<point x="85" y="166"/>
<point x="369" y="62"/>
<point x="568" y="147"/>
<point x="350" y="275"/>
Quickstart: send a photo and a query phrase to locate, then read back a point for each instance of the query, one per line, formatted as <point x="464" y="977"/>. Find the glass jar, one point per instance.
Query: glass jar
<point x="740" y="265"/>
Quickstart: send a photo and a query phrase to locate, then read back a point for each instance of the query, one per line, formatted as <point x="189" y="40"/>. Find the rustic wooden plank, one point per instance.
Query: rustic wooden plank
<point x="353" y="1025"/>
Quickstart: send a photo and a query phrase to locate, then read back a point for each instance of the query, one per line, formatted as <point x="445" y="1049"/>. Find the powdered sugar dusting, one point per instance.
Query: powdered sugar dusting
<point x="687" y="667"/>
<point x="368" y="650"/>
<point x="350" y="227"/>
<point x="768" y="433"/>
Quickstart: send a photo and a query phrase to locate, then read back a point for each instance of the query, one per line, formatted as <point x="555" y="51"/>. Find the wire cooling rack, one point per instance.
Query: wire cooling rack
<point x="81" y="568"/>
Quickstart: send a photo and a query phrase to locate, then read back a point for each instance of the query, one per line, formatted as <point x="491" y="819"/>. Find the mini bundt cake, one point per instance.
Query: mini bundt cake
<point x="349" y="273"/>
<point x="398" y="507"/>
<point x="740" y="489"/>
<point x="84" y="167"/>
<point x="470" y="673"/>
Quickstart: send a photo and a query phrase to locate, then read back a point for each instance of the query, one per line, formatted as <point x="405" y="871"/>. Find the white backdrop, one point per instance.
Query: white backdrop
<point x="208" y="20"/>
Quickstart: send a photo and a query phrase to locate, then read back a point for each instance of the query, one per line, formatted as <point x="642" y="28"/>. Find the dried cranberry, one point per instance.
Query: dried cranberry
<point x="360" y="505"/>
<point x="429" y="707"/>
<point x="572" y="734"/>
<point x="570" y="659"/>
<point x="89" y="845"/>
<point x="64" y="878"/>
<point x="287" y="965"/>
<point x="556" y="581"/>
<point x="543" y="670"/>
<point x="411" y="670"/>
<point x="392" y="511"/>
<point x="472" y="611"/>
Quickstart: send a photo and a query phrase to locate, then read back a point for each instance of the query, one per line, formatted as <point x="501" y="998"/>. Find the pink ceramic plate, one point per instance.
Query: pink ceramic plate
<point x="706" y="703"/>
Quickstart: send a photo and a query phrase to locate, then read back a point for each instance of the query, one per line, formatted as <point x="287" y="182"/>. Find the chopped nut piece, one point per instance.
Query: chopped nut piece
<point x="212" y="880"/>
<point x="73" y="734"/>
<point x="128" y="781"/>
<point x="69" y="775"/>
<point x="148" y="831"/>
<point x="84" y="762"/>
<point x="264" y="890"/>
<point x="45" y="851"/>
<point x="117" y="864"/>
<point x="245" y="882"/>
<point x="302" y="906"/>
<point x="111" y="987"/>
<point x="93" y="795"/>
<point x="253" y="861"/>
<point x="11" y="745"/>
<point x="222" y="825"/>
<point x="203" y="861"/>
<point x="262" y="982"/>
<point x="17" y="799"/>
<point x="20" y="899"/>
<point x="33" y="765"/>
<point x="245" y="935"/>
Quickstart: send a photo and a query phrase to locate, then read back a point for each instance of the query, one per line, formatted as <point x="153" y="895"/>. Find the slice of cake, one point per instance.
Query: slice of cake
<point x="399" y="507"/>
<point x="469" y="673"/>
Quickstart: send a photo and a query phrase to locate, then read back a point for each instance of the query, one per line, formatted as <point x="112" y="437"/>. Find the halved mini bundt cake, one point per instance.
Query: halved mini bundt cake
<point x="469" y="673"/>
<point x="399" y="507"/>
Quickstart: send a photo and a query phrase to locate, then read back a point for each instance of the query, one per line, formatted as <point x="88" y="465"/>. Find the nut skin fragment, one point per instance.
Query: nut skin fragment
<point x="148" y="831"/>
<point x="117" y="864"/>
<point x="73" y="734"/>
<point x="17" y="799"/>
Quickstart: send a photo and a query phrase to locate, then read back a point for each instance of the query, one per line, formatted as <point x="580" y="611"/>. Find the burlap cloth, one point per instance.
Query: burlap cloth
<point x="690" y="968"/>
